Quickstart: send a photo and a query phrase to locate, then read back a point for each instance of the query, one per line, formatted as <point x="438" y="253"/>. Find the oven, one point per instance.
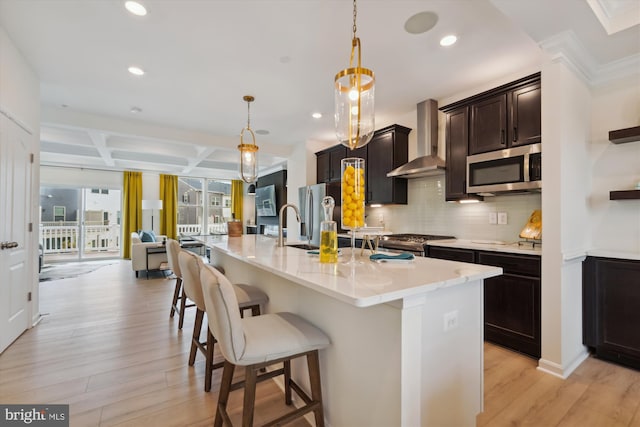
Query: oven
<point x="412" y="243"/>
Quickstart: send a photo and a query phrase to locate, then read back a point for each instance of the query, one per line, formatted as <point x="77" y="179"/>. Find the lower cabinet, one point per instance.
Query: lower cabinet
<point x="511" y="301"/>
<point x="611" y="309"/>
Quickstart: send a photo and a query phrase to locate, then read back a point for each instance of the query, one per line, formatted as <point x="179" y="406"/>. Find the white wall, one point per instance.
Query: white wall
<point x="615" y="225"/>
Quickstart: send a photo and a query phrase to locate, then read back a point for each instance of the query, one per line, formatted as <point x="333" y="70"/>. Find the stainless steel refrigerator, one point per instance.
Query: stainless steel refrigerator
<point x="311" y="212"/>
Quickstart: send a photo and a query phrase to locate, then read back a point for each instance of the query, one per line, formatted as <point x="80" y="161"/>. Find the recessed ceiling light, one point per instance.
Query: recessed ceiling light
<point x="136" y="110"/>
<point x="136" y="71"/>
<point x="135" y="8"/>
<point x="262" y="132"/>
<point x="317" y="115"/>
<point x="448" y="40"/>
<point x="421" y="22"/>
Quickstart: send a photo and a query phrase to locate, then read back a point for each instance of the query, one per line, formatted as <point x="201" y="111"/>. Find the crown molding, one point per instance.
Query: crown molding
<point x="565" y="47"/>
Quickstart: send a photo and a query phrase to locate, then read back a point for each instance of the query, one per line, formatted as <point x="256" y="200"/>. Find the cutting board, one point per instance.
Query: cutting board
<point x="533" y="228"/>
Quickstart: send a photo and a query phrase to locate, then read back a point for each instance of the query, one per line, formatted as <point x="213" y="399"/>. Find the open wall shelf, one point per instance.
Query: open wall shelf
<point x="624" y="195"/>
<point x="622" y="136"/>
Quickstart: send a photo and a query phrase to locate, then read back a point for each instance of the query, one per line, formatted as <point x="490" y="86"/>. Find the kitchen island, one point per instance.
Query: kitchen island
<point x="406" y="338"/>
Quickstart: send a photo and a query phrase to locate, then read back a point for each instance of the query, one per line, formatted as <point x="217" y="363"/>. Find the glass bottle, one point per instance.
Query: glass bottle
<point x="353" y="197"/>
<point x="328" y="233"/>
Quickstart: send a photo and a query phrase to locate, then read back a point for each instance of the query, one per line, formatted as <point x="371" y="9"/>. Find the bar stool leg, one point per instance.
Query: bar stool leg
<point x="195" y="340"/>
<point x="287" y="382"/>
<point x="209" y="362"/>
<point x="183" y="303"/>
<point x="176" y="296"/>
<point x="313" y="365"/>
<point x="223" y="396"/>
<point x="250" y="379"/>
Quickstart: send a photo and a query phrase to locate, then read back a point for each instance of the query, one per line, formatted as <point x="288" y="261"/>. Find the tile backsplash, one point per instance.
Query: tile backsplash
<point x="428" y="213"/>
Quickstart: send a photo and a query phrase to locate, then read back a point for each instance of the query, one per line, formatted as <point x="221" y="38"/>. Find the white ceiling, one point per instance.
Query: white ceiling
<point x="202" y="56"/>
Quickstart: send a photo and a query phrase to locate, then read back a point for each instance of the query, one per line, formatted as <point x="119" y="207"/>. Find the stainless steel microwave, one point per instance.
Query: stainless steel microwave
<point x="509" y="170"/>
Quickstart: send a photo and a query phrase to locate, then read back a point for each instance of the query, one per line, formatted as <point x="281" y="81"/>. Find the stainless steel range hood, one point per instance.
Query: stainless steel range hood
<point x="427" y="163"/>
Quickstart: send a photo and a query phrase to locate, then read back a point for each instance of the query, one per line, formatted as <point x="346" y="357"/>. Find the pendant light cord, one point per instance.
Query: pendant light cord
<point x="355" y="13"/>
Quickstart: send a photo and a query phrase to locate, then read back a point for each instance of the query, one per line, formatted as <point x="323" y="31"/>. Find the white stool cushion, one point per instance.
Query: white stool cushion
<point x="173" y="248"/>
<point x="254" y="339"/>
<point x="190" y="269"/>
<point x="272" y="336"/>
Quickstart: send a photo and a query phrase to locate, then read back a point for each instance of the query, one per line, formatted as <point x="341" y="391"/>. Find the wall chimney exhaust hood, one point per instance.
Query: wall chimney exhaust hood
<point x="427" y="163"/>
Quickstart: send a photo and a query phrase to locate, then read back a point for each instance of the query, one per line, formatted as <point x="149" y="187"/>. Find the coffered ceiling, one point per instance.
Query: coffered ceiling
<point x="201" y="57"/>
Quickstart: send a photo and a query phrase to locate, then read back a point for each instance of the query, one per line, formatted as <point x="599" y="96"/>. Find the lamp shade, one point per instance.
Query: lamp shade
<point x="152" y="204"/>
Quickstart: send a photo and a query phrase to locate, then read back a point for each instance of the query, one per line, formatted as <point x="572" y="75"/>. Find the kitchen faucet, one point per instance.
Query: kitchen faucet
<point x="280" y="233"/>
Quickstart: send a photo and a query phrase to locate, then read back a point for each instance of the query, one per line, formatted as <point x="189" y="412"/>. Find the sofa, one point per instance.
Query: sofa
<point x="139" y="254"/>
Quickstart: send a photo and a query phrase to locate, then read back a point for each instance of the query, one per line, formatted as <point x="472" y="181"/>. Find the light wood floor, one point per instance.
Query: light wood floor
<point x="107" y="347"/>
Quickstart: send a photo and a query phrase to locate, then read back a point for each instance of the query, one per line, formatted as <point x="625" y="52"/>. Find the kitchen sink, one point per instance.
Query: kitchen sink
<point x="304" y="246"/>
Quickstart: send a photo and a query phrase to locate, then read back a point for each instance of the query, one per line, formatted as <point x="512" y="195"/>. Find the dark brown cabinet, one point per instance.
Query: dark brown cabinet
<point x="457" y="141"/>
<point x="611" y="309"/>
<point x="388" y="149"/>
<point x="328" y="163"/>
<point x="488" y="130"/>
<point x="507" y="119"/>
<point x="511" y="301"/>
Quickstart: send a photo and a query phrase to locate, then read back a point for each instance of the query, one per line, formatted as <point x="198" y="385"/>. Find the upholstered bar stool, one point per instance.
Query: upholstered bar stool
<point x="173" y="248"/>
<point x="257" y="342"/>
<point x="248" y="297"/>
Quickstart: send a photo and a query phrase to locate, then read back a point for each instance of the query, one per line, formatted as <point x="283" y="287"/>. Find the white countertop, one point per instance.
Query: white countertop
<point x="487" y="245"/>
<point x="362" y="285"/>
<point x="606" y="253"/>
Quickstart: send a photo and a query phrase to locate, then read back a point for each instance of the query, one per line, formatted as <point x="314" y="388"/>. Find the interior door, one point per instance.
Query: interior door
<point x="15" y="177"/>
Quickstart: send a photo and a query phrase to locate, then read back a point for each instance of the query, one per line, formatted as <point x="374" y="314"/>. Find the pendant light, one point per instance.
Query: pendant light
<point x="248" y="152"/>
<point x="354" y="99"/>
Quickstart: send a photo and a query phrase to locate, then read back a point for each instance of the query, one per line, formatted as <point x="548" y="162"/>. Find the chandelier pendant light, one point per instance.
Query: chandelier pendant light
<point x="248" y="152"/>
<point x="354" y="90"/>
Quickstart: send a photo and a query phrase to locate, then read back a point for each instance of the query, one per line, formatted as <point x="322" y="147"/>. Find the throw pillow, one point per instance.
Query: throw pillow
<point x="145" y="236"/>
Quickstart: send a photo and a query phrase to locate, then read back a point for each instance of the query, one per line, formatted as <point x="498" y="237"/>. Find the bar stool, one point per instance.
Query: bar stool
<point x="258" y="342"/>
<point x="173" y="247"/>
<point x="249" y="298"/>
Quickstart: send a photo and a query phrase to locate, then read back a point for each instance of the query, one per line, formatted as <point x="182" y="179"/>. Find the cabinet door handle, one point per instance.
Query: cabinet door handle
<point x="502" y="139"/>
<point x="515" y="133"/>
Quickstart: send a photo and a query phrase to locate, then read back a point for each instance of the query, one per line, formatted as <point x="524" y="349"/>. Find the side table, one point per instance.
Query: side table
<point x="155" y="250"/>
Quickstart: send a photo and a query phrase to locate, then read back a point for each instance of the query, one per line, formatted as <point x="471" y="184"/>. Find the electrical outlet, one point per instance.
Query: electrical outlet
<point x="450" y="320"/>
<point x="502" y="218"/>
<point x="493" y="217"/>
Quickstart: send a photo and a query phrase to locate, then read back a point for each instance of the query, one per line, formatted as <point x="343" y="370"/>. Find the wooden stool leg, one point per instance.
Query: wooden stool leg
<point x="313" y="365"/>
<point x="176" y="296"/>
<point x="249" y="396"/>
<point x="255" y="310"/>
<point x="223" y="396"/>
<point x="287" y="382"/>
<point x="209" y="362"/>
<point x="183" y="302"/>
<point x="197" y="327"/>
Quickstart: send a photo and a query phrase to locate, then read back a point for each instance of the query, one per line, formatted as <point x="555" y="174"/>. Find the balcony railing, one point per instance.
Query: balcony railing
<point x="63" y="237"/>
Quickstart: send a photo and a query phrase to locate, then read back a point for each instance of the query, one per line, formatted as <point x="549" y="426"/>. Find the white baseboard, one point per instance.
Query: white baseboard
<point x="559" y="371"/>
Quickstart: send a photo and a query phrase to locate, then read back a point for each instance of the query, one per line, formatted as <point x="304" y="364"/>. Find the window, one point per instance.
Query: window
<point x="59" y="213"/>
<point x="204" y="205"/>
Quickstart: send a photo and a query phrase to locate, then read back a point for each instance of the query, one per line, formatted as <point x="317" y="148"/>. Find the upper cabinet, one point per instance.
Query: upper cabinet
<point x="328" y="163"/>
<point x="622" y="136"/>
<point x="504" y="117"/>
<point x="388" y="149"/>
<point x="457" y="141"/>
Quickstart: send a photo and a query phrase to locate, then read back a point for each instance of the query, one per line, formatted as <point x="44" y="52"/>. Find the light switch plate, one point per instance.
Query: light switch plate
<point x="502" y="218"/>
<point x="493" y="217"/>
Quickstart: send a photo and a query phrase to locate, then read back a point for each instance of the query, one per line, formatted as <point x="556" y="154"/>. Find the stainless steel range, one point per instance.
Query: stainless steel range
<point x="413" y="243"/>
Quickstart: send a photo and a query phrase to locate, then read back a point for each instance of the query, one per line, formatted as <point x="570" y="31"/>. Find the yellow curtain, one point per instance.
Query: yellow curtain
<point x="131" y="209"/>
<point x="169" y="214"/>
<point x="237" y="194"/>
